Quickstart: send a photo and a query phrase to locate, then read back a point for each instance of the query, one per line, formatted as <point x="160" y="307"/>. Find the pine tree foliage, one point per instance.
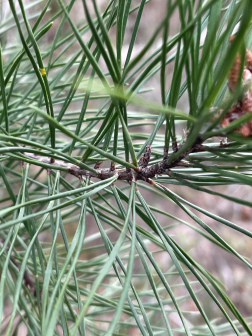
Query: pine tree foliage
<point x="94" y="162"/>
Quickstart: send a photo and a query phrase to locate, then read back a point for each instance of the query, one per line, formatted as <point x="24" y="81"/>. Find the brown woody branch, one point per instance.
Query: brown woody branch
<point x="143" y="172"/>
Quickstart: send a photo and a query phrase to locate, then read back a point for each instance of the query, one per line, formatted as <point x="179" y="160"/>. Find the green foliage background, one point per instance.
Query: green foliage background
<point x="103" y="255"/>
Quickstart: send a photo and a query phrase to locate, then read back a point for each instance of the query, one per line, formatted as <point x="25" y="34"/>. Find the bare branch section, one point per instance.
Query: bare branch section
<point x="142" y="172"/>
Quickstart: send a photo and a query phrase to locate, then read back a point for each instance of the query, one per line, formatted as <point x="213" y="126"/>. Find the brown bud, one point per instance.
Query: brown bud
<point x="234" y="73"/>
<point x="244" y="105"/>
<point x="244" y="130"/>
<point x="249" y="60"/>
<point x="247" y="102"/>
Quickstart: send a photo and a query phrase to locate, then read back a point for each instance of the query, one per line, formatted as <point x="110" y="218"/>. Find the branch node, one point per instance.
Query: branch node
<point x="175" y="145"/>
<point x="112" y="166"/>
<point x="166" y="151"/>
<point x="145" y="157"/>
<point x="97" y="164"/>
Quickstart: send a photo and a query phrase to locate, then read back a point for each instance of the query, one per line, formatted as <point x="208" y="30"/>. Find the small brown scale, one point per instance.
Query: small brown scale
<point x="244" y="105"/>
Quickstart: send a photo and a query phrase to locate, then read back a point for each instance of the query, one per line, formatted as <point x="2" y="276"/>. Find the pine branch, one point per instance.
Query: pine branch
<point x="143" y="172"/>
